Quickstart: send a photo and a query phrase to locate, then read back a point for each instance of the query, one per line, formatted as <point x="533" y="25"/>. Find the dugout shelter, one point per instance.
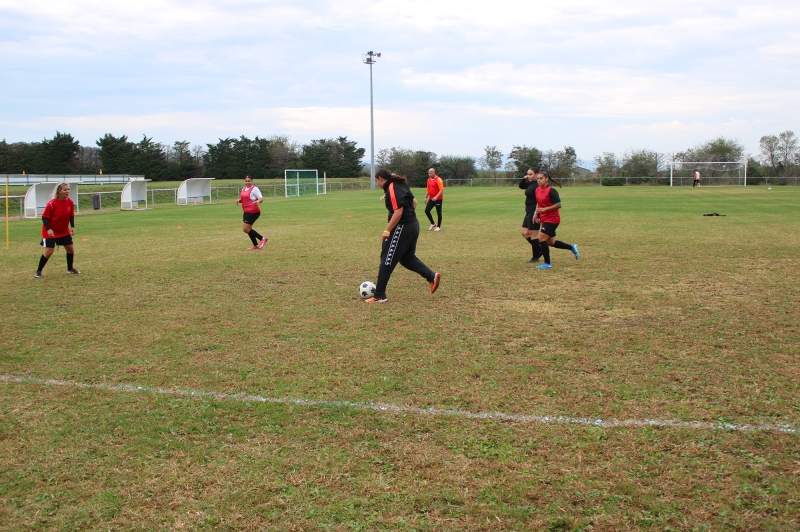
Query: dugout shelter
<point x="134" y="193"/>
<point x="194" y="191"/>
<point x="39" y="194"/>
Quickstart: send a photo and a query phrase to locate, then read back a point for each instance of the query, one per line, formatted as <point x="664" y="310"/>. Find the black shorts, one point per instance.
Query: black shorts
<point x="528" y="222"/>
<point x="250" y="217"/>
<point x="61" y="241"/>
<point x="549" y="229"/>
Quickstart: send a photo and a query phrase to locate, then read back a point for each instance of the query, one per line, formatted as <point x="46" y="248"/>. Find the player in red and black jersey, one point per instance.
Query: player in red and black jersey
<point x="547" y="211"/>
<point x="530" y="229"/>
<point x="250" y="197"/>
<point x="58" y="226"/>
<point x="401" y="234"/>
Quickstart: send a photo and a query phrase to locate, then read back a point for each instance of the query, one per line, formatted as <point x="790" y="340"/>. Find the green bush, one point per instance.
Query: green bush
<point x="613" y="181"/>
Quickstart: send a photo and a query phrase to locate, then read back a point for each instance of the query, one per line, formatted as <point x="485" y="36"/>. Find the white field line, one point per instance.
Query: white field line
<point x="178" y="245"/>
<point x="389" y="408"/>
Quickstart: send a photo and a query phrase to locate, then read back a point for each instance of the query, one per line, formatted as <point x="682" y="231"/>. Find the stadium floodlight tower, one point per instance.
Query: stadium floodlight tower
<point x="370" y="58"/>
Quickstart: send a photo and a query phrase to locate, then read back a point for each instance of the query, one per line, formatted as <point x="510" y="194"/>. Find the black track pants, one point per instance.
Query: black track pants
<point x="429" y="207"/>
<point x="401" y="247"/>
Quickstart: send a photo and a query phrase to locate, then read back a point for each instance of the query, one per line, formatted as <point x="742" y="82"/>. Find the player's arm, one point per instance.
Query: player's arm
<point x="72" y="224"/>
<point x="393" y="221"/>
<point x="46" y="223"/>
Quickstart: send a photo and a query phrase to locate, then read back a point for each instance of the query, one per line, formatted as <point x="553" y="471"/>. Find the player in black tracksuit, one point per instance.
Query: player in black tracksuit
<point x="530" y="228"/>
<point x="400" y="236"/>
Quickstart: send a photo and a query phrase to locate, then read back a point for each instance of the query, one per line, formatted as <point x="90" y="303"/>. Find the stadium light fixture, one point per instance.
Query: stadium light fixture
<point x="370" y="58"/>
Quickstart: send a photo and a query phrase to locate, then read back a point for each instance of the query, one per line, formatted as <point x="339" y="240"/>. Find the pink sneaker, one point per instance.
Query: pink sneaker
<point x="432" y="227"/>
<point x="438" y="228"/>
<point x="253" y="247"/>
<point x="263" y="241"/>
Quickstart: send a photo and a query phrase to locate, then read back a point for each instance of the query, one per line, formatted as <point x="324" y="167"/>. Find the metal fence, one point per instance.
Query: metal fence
<point x="633" y="181"/>
<point x="83" y="179"/>
<point x="110" y="200"/>
<point x="499" y="182"/>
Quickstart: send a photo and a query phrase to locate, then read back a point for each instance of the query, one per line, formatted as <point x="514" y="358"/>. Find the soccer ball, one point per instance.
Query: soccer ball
<point x="367" y="289"/>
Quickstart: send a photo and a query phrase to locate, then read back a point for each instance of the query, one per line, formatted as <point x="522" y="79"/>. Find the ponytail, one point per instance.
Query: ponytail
<point x="388" y="175"/>
<point x="550" y="178"/>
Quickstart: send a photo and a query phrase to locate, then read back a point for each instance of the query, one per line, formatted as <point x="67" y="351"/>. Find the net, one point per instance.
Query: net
<point x="303" y="183"/>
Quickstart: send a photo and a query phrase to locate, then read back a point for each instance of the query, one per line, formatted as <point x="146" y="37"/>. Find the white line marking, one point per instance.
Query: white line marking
<point x="383" y="407"/>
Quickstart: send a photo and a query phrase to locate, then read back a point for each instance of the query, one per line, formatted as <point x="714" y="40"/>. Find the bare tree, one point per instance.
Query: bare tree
<point x="770" y="152"/>
<point x="788" y="151"/>
<point x="197" y="153"/>
<point x="492" y="159"/>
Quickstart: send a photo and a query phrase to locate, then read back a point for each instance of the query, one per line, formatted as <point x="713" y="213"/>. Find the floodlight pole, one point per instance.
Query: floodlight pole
<point x="370" y="58"/>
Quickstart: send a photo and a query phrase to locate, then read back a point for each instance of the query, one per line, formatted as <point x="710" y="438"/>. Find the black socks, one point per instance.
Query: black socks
<point x="255" y="237"/>
<point x="545" y="249"/>
<point x="560" y="245"/>
<point x="70" y="258"/>
<point x="536" y="247"/>
<point x="42" y="261"/>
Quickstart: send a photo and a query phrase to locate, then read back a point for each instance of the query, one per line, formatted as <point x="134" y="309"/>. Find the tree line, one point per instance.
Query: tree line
<point x="230" y="158"/>
<point x="233" y="158"/>
<point x="779" y="156"/>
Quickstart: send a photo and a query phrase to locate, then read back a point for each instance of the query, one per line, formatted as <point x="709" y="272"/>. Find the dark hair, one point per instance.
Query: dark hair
<point x="248" y="177"/>
<point x="535" y="169"/>
<point x="549" y="177"/>
<point x="388" y="175"/>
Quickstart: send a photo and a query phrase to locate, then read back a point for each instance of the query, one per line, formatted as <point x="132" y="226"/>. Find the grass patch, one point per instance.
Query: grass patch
<point x="667" y="315"/>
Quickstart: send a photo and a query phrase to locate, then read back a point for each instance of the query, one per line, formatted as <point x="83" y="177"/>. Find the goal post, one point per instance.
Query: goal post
<point x="681" y="173"/>
<point x="304" y="182"/>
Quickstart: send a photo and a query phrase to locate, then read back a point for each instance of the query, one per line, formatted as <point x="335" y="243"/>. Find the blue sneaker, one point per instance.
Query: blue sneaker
<point x="575" y="251"/>
<point x="544" y="266"/>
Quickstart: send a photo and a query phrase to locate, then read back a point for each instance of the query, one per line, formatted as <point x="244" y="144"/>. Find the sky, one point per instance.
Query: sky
<point x="453" y="76"/>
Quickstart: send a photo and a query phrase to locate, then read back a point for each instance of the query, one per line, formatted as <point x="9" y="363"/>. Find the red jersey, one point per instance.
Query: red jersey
<point x="435" y="185"/>
<point x="248" y="197"/>
<point x="547" y="197"/>
<point x="58" y="212"/>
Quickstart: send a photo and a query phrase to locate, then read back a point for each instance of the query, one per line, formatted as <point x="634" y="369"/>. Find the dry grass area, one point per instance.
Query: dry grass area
<point x="667" y="315"/>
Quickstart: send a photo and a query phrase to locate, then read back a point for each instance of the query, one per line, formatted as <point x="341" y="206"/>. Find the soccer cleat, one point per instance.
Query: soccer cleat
<point x="37" y="275"/>
<point x="544" y="266"/>
<point x="435" y="283"/>
<point x="376" y="300"/>
<point x="533" y="261"/>
<point x="438" y="228"/>
<point x="253" y="247"/>
<point x="73" y="271"/>
<point x="575" y="251"/>
<point x="263" y="241"/>
<point x="432" y="227"/>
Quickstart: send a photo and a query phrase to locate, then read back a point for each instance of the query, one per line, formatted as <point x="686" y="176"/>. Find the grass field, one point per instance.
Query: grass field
<point x="668" y="316"/>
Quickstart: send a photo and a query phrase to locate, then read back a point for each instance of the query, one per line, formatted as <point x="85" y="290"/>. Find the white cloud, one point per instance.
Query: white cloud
<point x="591" y="72"/>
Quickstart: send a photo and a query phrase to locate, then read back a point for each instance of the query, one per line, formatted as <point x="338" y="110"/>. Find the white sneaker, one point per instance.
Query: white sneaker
<point x="438" y="228"/>
<point x="431" y="227"/>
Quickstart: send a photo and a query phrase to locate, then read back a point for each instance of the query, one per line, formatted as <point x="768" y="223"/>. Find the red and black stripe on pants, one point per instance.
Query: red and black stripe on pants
<point x="401" y="247"/>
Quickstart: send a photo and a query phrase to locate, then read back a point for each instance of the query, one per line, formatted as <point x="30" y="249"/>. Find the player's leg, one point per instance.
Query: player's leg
<point x="428" y="208"/>
<point x="389" y="259"/>
<point x="439" y="213"/>
<point x="407" y="251"/>
<point x="49" y="246"/>
<point x="70" y="249"/>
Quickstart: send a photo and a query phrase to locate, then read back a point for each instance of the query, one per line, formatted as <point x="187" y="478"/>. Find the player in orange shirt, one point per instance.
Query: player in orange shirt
<point x="58" y="226"/>
<point x="433" y="197"/>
